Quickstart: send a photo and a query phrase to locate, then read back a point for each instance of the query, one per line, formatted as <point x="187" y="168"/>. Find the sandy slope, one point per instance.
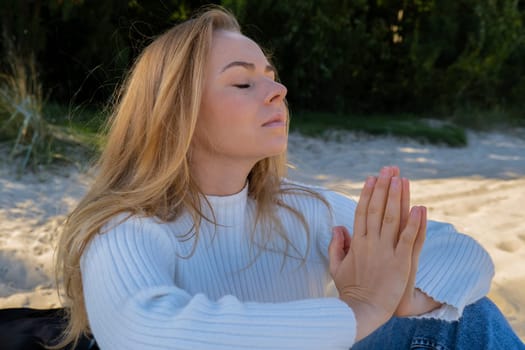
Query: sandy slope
<point x="480" y="189"/>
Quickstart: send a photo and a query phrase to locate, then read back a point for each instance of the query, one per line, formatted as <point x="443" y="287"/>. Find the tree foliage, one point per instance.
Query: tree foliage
<point x="334" y="55"/>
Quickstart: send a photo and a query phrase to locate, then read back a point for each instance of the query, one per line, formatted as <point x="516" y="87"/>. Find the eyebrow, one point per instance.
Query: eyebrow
<point x="249" y="66"/>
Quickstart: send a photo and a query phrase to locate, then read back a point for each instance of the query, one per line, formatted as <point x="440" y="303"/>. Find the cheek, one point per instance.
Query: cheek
<point x="231" y="112"/>
<point x="221" y="108"/>
<point x="225" y="123"/>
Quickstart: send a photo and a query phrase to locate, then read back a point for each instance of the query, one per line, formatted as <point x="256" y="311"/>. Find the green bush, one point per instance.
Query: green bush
<point x="359" y="56"/>
<point x="384" y="56"/>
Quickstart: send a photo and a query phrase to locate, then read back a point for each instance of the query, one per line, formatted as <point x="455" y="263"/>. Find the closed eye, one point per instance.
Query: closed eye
<point x="242" y="86"/>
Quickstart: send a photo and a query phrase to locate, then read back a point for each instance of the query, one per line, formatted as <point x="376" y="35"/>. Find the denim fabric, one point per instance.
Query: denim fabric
<point x="482" y="327"/>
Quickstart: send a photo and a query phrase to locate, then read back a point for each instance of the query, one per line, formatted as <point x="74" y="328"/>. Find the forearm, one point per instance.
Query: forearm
<point x="133" y="303"/>
<point x="423" y="303"/>
<point x="153" y="321"/>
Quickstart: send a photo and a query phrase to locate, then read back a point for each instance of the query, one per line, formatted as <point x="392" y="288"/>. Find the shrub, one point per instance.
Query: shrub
<point x="21" y="117"/>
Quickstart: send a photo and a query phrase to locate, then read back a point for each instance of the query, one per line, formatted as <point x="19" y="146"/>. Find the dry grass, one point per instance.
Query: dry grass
<point x="21" y="119"/>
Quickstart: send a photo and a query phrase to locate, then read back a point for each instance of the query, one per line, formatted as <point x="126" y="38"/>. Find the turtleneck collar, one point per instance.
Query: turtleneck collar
<point x="228" y="200"/>
<point x="228" y="210"/>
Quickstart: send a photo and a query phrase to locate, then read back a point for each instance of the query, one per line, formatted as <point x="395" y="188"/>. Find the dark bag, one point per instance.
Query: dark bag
<point x="32" y="329"/>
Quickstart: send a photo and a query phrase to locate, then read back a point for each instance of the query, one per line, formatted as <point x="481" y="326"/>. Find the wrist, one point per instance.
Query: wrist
<point x="424" y="303"/>
<point x="368" y="317"/>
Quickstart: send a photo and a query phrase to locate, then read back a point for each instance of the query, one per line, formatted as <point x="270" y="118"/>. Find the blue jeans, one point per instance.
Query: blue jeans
<point x="482" y="326"/>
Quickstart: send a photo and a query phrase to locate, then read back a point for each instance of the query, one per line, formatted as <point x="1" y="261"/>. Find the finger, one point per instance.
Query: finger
<point x="336" y="252"/>
<point x="421" y="235"/>
<point x="418" y="245"/>
<point x="405" y="244"/>
<point x="391" y="219"/>
<point x="376" y="207"/>
<point x="362" y="207"/>
<point x="347" y="239"/>
<point x="405" y="202"/>
<point x="395" y="171"/>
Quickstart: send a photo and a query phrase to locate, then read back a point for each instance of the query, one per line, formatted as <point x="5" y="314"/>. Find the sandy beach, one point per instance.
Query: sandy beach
<point x="479" y="188"/>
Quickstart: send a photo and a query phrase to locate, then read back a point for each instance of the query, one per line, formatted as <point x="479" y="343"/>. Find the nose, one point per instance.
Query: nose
<point x="276" y="93"/>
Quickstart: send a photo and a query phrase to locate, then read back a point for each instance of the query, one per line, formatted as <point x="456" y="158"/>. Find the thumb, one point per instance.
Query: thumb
<point x="347" y="239"/>
<point x="338" y="248"/>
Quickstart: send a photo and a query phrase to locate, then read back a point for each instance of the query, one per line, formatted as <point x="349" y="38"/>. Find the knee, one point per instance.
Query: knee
<point x="482" y="309"/>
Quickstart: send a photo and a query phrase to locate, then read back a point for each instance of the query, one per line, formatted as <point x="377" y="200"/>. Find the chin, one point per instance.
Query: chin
<point x="278" y="148"/>
<point x="268" y="149"/>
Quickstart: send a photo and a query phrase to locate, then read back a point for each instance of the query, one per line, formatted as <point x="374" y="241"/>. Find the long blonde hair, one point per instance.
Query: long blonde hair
<point x="144" y="167"/>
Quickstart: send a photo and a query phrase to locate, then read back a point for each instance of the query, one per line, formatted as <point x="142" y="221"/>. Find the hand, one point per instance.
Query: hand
<point x="414" y="302"/>
<point x="373" y="275"/>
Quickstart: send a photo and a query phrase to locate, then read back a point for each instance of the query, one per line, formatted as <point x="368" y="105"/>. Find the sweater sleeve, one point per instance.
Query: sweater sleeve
<point x="453" y="269"/>
<point x="133" y="303"/>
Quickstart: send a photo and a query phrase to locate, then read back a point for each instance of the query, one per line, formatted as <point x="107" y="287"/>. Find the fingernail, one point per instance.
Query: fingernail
<point x="370" y="181"/>
<point x="385" y="172"/>
<point x="394" y="182"/>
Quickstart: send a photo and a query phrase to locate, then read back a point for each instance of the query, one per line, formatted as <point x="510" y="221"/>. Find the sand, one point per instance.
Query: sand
<point x="479" y="188"/>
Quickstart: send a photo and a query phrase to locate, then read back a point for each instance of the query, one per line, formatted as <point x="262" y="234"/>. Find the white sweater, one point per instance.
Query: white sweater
<point x="141" y="293"/>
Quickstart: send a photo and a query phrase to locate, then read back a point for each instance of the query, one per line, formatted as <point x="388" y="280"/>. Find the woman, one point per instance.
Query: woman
<point x="191" y="238"/>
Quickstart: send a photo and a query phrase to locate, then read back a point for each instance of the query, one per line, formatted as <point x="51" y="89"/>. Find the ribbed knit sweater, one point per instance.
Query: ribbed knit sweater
<point x="142" y="292"/>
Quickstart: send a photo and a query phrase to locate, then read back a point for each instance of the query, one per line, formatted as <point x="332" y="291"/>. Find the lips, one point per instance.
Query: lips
<point x="276" y="120"/>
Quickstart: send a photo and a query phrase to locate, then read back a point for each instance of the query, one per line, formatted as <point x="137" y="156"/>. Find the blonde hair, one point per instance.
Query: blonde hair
<point x="144" y="167"/>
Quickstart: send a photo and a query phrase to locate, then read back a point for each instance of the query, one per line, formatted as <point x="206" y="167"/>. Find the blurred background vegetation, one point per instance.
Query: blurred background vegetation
<point x="382" y="66"/>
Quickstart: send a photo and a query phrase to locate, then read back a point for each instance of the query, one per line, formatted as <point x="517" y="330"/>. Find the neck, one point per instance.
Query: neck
<point x="219" y="177"/>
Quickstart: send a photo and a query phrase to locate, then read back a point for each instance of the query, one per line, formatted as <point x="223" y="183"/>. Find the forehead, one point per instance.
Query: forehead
<point x="231" y="46"/>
